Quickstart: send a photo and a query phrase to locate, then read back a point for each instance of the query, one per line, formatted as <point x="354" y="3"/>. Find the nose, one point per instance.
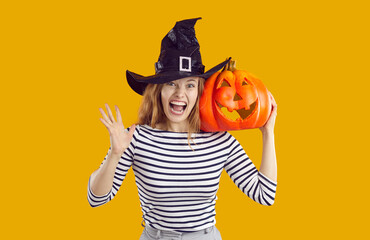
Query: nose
<point x="180" y="92"/>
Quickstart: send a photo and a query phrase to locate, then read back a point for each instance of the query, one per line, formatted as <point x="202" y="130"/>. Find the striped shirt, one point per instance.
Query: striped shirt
<point x="177" y="186"/>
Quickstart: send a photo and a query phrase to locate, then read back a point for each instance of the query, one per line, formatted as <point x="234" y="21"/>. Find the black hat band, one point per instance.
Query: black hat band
<point x="181" y="64"/>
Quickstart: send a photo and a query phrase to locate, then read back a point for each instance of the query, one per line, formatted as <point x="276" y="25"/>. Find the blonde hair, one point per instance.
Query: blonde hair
<point x="151" y="109"/>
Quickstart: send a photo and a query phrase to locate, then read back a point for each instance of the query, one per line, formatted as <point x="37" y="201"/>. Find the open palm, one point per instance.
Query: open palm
<point x="119" y="138"/>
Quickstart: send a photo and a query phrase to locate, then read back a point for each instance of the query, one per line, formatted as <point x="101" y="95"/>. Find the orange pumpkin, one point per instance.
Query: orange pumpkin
<point x="233" y="91"/>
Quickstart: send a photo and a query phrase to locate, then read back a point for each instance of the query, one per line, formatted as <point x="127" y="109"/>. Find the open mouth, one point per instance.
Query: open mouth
<point x="177" y="107"/>
<point x="241" y="114"/>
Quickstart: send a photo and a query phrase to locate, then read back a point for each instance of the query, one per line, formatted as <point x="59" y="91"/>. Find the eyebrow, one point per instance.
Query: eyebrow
<point x="191" y="80"/>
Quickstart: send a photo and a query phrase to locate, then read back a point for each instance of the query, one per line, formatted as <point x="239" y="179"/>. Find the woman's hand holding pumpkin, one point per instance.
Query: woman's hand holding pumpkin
<point x="119" y="138"/>
<point x="270" y="124"/>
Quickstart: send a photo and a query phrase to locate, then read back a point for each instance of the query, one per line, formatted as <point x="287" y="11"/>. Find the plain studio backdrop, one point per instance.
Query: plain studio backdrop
<point x="62" y="60"/>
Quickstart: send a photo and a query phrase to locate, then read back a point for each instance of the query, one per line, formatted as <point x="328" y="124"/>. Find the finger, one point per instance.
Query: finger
<point x="273" y="109"/>
<point x="105" y="116"/>
<point x="107" y="125"/>
<point x="119" y="118"/>
<point x="273" y="103"/>
<point x="273" y="99"/>
<point x="110" y="115"/>
<point x="132" y="130"/>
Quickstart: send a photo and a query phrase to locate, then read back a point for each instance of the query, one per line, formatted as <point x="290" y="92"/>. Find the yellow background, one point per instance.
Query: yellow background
<point x="62" y="60"/>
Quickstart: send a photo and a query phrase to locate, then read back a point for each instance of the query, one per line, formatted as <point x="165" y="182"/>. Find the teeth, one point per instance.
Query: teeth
<point x="178" y="103"/>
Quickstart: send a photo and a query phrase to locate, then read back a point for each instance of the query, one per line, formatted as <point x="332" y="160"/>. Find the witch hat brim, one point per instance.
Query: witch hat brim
<point x="138" y="82"/>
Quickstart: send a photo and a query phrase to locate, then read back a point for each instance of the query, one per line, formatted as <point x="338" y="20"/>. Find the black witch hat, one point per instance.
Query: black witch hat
<point x="179" y="58"/>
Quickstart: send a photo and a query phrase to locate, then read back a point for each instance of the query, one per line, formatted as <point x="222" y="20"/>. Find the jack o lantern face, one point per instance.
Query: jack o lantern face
<point x="233" y="100"/>
<point x="237" y="95"/>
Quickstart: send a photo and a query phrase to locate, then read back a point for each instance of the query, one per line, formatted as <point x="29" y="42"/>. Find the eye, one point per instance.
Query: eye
<point x="171" y="83"/>
<point x="191" y="85"/>
<point x="244" y="82"/>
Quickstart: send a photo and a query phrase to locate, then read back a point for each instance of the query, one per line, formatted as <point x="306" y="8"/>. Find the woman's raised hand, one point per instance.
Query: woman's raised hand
<point x="119" y="138"/>
<point x="270" y="124"/>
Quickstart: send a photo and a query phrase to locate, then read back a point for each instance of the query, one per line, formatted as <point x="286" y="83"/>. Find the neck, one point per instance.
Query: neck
<point x="175" y="127"/>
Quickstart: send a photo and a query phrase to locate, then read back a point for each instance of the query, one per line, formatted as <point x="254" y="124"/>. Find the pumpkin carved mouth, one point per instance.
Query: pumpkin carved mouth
<point x="238" y="114"/>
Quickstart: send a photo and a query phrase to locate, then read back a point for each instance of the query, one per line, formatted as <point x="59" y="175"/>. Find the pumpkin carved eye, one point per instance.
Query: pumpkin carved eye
<point x="225" y="84"/>
<point x="244" y="82"/>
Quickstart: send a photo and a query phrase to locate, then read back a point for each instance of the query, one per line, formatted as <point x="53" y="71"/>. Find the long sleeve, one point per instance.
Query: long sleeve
<point x="246" y="176"/>
<point x="122" y="168"/>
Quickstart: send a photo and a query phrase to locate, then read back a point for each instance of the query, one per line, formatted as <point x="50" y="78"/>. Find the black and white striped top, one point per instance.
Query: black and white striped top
<point x="177" y="185"/>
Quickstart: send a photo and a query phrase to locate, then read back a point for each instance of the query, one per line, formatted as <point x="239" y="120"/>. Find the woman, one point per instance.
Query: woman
<point x="178" y="167"/>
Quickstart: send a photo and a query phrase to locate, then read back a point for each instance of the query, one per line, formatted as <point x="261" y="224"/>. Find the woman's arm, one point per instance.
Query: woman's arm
<point x="105" y="182"/>
<point x="101" y="180"/>
<point x="268" y="163"/>
<point x="246" y="176"/>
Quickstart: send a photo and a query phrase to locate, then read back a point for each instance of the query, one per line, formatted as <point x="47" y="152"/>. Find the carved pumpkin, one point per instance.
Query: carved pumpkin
<point x="233" y="92"/>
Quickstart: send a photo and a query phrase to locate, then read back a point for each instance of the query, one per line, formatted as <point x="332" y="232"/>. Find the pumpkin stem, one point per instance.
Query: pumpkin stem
<point x="230" y="66"/>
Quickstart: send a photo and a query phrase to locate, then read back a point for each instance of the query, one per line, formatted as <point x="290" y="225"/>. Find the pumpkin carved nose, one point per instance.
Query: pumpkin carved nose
<point x="237" y="97"/>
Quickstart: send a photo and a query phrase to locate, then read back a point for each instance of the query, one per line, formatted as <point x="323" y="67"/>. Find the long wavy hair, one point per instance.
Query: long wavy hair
<point x="151" y="109"/>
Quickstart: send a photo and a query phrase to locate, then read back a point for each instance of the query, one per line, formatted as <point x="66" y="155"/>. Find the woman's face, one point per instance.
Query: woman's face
<point x="178" y="99"/>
